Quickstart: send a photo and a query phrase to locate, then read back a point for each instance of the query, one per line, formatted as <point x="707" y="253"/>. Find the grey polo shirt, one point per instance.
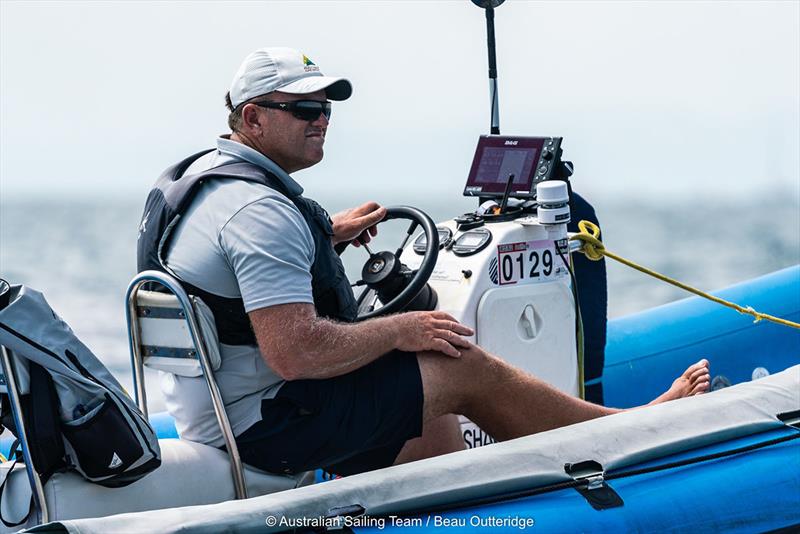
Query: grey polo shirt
<point x="241" y="240"/>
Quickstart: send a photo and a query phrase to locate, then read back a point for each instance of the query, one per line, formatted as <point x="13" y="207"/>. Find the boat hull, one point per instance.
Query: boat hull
<point x="754" y="492"/>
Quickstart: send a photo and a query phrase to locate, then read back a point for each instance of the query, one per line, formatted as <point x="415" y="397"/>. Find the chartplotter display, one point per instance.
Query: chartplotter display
<point x="524" y="160"/>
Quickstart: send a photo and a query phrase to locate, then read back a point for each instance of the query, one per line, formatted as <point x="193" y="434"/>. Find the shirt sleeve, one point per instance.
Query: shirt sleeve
<point x="271" y="250"/>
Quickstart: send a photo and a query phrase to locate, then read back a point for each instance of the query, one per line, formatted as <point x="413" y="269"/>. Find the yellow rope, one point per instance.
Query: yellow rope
<point x="594" y="249"/>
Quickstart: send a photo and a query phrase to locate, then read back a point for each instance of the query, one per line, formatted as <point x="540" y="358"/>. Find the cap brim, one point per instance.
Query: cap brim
<point x="335" y="88"/>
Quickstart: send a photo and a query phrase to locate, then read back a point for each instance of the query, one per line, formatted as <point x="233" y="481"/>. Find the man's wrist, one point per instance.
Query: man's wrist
<point x="392" y="325"/>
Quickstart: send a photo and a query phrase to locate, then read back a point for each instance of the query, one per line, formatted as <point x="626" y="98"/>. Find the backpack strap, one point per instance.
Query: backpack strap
<point x="46" y="447"/>
<point x="44" y="423"/>
<point x="7" y="523"/>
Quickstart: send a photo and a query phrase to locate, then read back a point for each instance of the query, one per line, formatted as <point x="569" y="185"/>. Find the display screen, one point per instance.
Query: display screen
<point x="497" y="157"/>
<point x="471" y="240"/>
<point x="497" y="164"/>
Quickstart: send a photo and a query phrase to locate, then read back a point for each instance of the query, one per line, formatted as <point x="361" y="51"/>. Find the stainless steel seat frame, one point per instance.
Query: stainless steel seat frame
<point x="9" y="382"/>
<point x="189" y="308"/>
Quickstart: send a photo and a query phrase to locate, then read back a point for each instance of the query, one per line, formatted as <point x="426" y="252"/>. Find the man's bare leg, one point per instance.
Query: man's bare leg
<point x="441" y="435"/>
<point x="508" y="402"/>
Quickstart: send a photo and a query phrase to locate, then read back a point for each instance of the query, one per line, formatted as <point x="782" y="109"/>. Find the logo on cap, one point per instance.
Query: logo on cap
<point x="309" y="65"/>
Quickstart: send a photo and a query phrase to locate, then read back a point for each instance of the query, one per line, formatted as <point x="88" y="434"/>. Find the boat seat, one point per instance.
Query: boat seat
<point x="174" y="333"/>
<point x="190" y="474"/>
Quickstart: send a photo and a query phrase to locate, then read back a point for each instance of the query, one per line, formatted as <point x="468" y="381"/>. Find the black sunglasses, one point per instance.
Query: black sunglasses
<point x="305" y="110"/>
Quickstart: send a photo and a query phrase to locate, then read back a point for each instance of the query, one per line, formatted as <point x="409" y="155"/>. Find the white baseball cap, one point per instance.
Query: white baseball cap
<point x="286" y="70"/>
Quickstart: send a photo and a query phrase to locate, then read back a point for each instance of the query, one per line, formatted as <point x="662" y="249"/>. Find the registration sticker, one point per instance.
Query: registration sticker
<point x="532" y="261"/>
<point x="473" y="435"/>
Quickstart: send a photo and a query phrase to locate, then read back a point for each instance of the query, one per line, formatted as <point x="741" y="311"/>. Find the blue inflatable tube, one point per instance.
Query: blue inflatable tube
<point x="647" y="350"/>
<point x="756" y="492"/>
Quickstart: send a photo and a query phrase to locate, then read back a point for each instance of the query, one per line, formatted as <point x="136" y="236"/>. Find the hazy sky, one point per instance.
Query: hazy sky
<point x="651" y="97"/>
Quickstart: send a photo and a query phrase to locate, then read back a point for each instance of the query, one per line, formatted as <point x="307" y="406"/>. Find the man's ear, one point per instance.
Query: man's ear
<point x="251" y="118"/>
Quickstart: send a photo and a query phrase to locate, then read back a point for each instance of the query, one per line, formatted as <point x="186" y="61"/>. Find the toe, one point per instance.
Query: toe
<point x="701" y="365"/>
<point x="697" y="373"/>
<point x="700" y="387"/>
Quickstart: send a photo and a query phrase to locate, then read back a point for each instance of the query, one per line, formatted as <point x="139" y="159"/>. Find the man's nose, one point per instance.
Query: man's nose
<point x="321" y="121"/>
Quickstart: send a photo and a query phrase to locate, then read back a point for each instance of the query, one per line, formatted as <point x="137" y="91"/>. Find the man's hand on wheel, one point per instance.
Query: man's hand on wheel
<point x="360" y="222"/>
<point x="435" y="330"/>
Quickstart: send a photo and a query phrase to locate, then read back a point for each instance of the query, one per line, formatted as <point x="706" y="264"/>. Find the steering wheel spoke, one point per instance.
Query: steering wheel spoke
<point x="411" y="229"/>
<point x="367" y="301"/>
<point x="366" y="248"/>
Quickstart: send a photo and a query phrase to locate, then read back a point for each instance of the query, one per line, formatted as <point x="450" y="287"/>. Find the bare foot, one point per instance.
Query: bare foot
<point x="694" y="381"/>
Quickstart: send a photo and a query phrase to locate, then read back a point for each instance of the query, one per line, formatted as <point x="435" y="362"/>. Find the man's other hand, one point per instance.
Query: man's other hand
<point x="436" y="331"/>
<point x="360" y="222"/>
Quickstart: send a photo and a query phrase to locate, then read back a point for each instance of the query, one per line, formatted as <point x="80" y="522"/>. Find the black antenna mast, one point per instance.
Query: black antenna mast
<point x="488" y="6"/>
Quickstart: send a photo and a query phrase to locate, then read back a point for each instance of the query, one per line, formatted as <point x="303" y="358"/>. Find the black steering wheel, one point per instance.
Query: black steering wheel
<point x="387" y="278"/>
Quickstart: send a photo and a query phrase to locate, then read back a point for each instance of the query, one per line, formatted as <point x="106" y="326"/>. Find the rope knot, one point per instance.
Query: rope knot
<point x="589" y="236"/>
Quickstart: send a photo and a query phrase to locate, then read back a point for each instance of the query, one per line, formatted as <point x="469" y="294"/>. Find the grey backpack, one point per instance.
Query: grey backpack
<point x="93" y="427"/>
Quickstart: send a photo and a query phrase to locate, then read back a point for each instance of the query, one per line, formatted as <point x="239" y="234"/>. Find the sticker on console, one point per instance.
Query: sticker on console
<point x="532" y="261"/>
<point x="445" y="275"/>
<point x="474" y="436"/>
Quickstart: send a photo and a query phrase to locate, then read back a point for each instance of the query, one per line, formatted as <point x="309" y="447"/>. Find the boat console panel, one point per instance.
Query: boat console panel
<point x="511" y="166"/>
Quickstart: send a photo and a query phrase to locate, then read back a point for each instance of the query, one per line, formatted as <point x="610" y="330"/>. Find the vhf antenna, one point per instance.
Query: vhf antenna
<point x="488" y="6"/>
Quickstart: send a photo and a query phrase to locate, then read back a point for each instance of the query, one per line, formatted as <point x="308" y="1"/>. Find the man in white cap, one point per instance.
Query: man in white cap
<point x="304" y="385"/>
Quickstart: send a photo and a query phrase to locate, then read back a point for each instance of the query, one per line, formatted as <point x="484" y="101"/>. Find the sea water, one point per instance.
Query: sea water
<point x="81" y="255"/>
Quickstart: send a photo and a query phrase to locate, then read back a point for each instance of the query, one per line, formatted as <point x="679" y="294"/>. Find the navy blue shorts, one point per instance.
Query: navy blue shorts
<point x="347" y="424"/>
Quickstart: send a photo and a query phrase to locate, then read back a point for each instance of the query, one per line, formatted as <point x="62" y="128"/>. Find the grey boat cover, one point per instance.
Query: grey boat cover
<point x="616" y="442"/>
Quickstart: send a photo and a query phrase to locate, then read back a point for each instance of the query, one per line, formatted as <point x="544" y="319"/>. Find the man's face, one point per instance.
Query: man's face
<point x="290" y="142"/>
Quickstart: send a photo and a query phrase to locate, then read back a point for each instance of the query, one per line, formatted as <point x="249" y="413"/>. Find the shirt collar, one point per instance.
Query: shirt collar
<point x="241" y="151"/>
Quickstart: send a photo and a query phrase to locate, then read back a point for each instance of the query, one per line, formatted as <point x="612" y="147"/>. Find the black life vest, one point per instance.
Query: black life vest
<point x="170" y="198"/>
